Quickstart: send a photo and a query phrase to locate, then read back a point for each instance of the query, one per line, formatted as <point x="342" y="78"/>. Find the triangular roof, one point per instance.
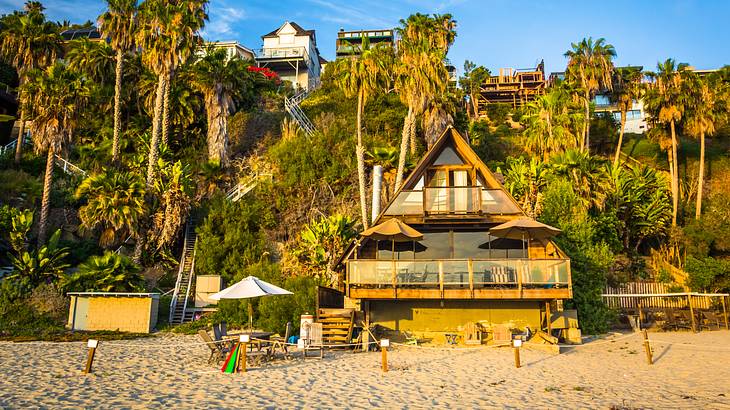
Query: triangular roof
<point x="299" y="31"/>
<point x="450" y="146"/>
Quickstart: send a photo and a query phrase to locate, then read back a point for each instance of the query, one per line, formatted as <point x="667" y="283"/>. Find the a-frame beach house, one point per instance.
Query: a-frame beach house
<point x="456" y="271"/>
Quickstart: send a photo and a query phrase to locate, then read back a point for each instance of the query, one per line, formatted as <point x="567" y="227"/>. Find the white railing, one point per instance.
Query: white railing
<point x="292" y="107"/>
<point x="282" y="52"/>
<point x="68" y="167"/>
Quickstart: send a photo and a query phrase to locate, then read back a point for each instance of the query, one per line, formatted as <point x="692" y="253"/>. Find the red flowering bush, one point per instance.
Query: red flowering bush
<point x="266" y="72"/>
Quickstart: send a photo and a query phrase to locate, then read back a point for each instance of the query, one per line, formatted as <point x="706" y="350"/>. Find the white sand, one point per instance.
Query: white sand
<point x="601" y="376"/>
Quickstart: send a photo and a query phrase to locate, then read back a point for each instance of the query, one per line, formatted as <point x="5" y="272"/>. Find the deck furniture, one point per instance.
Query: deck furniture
<point x="452" y="338"/>
<point x="280" y="343"/>
<point x="688" y="319"/>
<point x="218" y="352"/>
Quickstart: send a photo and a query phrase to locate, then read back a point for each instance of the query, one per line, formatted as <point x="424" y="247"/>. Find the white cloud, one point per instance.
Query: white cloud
<point x="223" y="22"/>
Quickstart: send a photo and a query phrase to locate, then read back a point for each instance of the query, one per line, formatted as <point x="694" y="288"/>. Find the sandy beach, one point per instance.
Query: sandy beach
<point x="690" y="372"/>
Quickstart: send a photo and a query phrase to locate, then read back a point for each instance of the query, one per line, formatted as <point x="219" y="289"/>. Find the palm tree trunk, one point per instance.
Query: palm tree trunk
<point x="361" y="163"/>
<point x="166" y="111"/>
<point x="155" y="141"/>
<point x="21" y="129"/>
<point x="675" y="176"/>
<point x="217" y="127"/>
<point x="475" y="107"/>
<point x="701" y="177"/>
<point x="620" y="138"/>
<point x="117" y="106"/>
<point x="586" y="144"/>
<point x="138" y="247"/>
<point x="403" y="149"/>
<point x="46" y="201"/>
<point x="412" y="134"/>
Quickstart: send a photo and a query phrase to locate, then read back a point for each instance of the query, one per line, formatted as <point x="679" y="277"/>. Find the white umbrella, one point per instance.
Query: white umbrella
<point x="251" y="287"/>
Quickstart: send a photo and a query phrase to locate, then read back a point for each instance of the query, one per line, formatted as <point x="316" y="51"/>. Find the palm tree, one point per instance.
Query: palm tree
<point x="420" y="72"/>
<point x="119" y="24"/>
<point x="548" y="123"/>
<point x="106" y="273"/>
<point x="28" y="42"/>
<point x="586" y="172"/>
<point x="220" y="79"/>
<point x="362" y="76"/>
<point x="590" y="66"/>
<point x="114" y="203"/>
<point x="94" y="59"/>
<point x="665" y="103"/>
<point x="704" y="111"/>
<point x="168" y="34"/>
<point x="54" y="97"/>
<point x="626" y="89"/>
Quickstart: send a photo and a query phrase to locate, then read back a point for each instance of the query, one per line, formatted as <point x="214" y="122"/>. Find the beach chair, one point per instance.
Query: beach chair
<point x="217" y="351"/>
<point x="685" y="319"/>
<point x="314" y="339"/>
<point x="280" y="343"/>
<point x="711" y="318"/>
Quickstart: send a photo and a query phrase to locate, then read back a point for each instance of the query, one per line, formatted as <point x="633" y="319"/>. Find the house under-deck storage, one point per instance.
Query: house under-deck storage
<point x="457" y="270"/>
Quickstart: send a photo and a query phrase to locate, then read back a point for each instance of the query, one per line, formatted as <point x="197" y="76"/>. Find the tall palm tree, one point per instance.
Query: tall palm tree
<point x="119" y="25"/>
<point x="704" y="112"/>
<point x="626" y="89"/>
<point x="588" y="174"/>
<point x="363" y="76"/>
<point x="28" y="42"/>
<point x="54" y="98"/>
<point x="665" y="104"/>
<point x="590" y="66"/>
<point x="548" y="123"/>
<point x="168" y="34"/>
<point x="220" y="79"/>
<point x="114" y="203"/>
<point x="420" y="72"/>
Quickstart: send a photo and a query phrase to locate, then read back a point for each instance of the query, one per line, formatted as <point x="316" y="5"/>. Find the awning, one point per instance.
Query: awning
<point x="393" y="230"/>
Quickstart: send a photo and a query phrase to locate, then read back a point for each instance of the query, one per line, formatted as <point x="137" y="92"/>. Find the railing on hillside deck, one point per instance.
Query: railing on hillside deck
<point x="452" y="200"/>
<point x="459" y="273"/>
<point x="625" y="297"/>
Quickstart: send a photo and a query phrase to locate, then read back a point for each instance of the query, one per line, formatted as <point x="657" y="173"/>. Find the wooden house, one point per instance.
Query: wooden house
<point x="458" y="272"/>
<point x="515" y="87"/>
<point x="292" y="53"/>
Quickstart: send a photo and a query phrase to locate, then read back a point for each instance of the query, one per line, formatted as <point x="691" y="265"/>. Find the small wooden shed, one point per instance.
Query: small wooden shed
<point x="124" y="312"/>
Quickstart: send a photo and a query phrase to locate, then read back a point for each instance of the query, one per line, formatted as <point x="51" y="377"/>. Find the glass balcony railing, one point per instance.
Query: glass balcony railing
<point x="452" y="200"/>
<point x="449" y="273"/>
<point x="282" y="52"/>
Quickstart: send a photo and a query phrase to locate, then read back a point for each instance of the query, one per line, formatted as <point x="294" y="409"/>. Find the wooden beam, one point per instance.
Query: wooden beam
<point x="724" y="312"/>
<point x="691" y="313"/>
<point x="548" y="318"/>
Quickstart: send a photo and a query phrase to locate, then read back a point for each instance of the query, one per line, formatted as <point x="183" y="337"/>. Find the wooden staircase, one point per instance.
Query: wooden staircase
<point x="179" y="312"/>
<point x="337" y="325"/>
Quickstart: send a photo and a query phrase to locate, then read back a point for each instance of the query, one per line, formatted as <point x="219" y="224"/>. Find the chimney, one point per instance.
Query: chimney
<point x="377" y="184"/>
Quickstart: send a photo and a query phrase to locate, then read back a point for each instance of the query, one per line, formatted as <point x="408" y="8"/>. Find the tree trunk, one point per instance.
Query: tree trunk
<point x="117" y="106"/>
<point x="403" y="149"/>
<point x="138" y="247"/>
<point x="217" y="127"/>
<point x="361" y="163"/>
<point x="412" y="134"/>
<point x="586" y="145"/>
<point x="21" y="130"/>
<point x="46" y="201"/>
<point x="475" y="106"/>
<point x="701" y="177"/>
<point x="166" y="111"/>
<point x="675" y="176"/>
<point x="155" y="141"/>
<point x="620" y="138"/>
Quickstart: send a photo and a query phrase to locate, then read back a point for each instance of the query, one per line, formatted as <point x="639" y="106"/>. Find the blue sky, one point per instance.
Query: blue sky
<point x="492" y="33"/>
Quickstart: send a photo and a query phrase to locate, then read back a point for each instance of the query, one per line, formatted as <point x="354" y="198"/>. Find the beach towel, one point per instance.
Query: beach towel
<point x="231" y="363"/>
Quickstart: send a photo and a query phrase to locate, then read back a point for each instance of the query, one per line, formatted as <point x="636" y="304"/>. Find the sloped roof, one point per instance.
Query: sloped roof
<point x="92" y="33"/>
<point x="299" y="31"/>
<point x="449" y="138"/>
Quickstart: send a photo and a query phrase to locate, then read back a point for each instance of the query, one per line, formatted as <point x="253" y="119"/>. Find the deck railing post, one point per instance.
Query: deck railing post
<point x="470" y="265"/>
<point x="395" y="280"/>
<point x="441" y="278"/>
<point x="519" y="275"/>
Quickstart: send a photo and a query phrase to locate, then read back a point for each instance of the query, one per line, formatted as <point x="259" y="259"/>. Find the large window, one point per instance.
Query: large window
<point x="453" y="244"/>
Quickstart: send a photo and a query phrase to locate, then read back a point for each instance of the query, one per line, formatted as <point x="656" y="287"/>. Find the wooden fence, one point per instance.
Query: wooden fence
<point x="655" y="295"/>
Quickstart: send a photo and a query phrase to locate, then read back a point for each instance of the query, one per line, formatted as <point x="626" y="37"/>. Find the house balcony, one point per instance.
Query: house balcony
<point x="452" y="202"/>
<point x="283" y="56"/>
<point x="536" y="279"/>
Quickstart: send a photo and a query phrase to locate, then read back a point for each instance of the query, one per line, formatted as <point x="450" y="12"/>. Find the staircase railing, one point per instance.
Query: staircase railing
<point x="292" y="107"/>
<point x="244" y="187"/>
<point x="186" y="253"/>
<point x="67" y="167"/>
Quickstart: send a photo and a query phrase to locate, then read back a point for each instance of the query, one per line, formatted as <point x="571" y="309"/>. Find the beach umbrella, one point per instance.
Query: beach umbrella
<point x="393" y="230"/>
<point x="250" y="287"/>
<point x="524" y="228"/>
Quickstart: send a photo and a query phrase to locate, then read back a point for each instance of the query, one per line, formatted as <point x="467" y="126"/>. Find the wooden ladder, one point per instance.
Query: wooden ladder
<point x="337" y="325"/>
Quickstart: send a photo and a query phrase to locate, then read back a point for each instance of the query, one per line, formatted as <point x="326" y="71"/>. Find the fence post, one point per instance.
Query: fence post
<point x="724" y="312"/>
<point x="691" y="312"/>
<point x="384" y="343"/>
<point x="516" y="343"/>
<point x="647" y="347"/>
<point x="92" y="344"/>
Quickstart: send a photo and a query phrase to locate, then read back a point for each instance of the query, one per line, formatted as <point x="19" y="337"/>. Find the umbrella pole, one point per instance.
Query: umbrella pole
<point x="250" y="317"/>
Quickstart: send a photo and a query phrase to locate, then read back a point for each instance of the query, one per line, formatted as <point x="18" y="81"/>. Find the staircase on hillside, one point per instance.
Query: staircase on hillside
<point x="337" y="325"/>
<point x="179" y="312"/>
<point x="245" y="186"/>
<point x="67" y="167"/>
<point x="292" y="107"/>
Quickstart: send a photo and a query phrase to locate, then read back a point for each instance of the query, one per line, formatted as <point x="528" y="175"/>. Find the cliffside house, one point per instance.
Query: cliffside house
<point x="350" y="42"/>
<point x="457" y="272"/>
<point x="233" y="48"/>
<point x="292" y="53"/>
<point x="515" y="87"/>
